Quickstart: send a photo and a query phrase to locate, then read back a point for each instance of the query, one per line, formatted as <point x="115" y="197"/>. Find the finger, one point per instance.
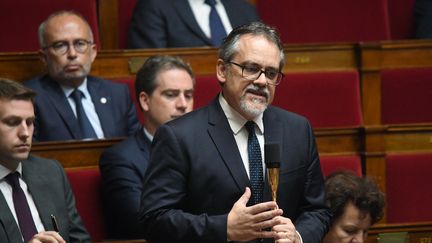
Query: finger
<point x="245" y="197"/>
<point x="261" y="207"/>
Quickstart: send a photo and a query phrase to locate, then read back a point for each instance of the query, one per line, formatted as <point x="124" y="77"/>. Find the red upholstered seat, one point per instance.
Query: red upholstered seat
<point x="206" y="88"/>
<point x="409" y="196"/>
<point x="125" y="10"/>
<point x="406" y="95"/>
<point x="327" y="99"/>
<point x="335" y="163"/>
<point x="86" y="185"/>
<point x="19" y="20"/>
<point x="401" y="19"/>
<point x="301" y="21"/>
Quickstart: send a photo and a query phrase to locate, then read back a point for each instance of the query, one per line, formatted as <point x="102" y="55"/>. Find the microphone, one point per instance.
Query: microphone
<point x="272" y="160"/>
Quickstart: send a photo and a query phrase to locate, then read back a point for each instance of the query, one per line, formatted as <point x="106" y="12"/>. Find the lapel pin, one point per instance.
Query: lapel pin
<point x="103" y="100"/>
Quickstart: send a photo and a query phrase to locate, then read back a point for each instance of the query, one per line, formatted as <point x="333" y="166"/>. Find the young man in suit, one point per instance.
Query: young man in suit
<point x="31" y="188"/>
<point x="164" y="89"/>
<point x="184" y="23"/>
<point x="203" y="165"/>
<point x="70" y="104"/>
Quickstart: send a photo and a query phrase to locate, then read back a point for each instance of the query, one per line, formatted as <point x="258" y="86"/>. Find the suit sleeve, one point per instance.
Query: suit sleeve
<point x="77" y="231"/>
<point x="147" y="28"/>
<point x="163" y="213"/>
<point x="313" y="222"/>
<point x="122" y="185"/>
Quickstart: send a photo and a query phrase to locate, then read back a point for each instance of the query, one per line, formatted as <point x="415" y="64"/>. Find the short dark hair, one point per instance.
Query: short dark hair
<point x="12" y="90"/>
<point x="229" y="45"/>
<point x="146" y="78"/>
<point x="343" y="187"/>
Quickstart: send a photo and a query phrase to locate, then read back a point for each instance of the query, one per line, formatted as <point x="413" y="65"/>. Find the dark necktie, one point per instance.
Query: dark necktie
<point x="22" y="209"/>
<point x="217" y="29"/>
<point x="87" y="130"/>
<point x="255" y="164"/>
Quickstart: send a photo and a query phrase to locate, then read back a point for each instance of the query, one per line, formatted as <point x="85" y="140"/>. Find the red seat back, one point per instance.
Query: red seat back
<point x="406" y="95"/>
<point x="327" y="99"/>
<point x="401" y="19"/>
<point x="130" y="82"/>
<point x="301" y="21"/>
<point x="86" y="186"/>
<point x="408" y="183"/>
<point x="125" y="10"/>
<point x="19" y="20"/>
<point x="206" y="88"/>
<point x="335" y="163"/>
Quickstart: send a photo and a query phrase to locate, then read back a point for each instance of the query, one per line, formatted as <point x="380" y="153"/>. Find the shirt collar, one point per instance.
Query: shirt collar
<point x="83" y="88"/>
<point x="5" y="171"/>
<point x="237" y="121"/>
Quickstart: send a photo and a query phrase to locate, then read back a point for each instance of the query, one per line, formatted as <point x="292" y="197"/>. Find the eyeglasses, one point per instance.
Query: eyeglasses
<point x="253" y="72"/>
<point x="61" y="47"/>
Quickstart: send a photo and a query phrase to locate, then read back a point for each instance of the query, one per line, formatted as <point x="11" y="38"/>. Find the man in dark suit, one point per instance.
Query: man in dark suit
<point x="164" y="89"/>
<point x="41" y="187"/>
<point x="203" y="165"/>
<point x="103" y="109"/>
<point x="423" y="19"/>
<point x="183" y="23"/>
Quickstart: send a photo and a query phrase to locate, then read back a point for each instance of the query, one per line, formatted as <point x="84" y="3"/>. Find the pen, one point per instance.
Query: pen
<point x="54" y="223"/>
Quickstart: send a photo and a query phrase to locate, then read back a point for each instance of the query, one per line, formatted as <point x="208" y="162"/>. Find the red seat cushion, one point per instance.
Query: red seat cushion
<point x="335" y="163"/>
<point x="409" y="196"/>
<point x="301" y="21"/>
<point x="327" y="99"/>
<point x="406" y="95"/>
<point x="20" y="20"/>
<point x="86" y="186"/>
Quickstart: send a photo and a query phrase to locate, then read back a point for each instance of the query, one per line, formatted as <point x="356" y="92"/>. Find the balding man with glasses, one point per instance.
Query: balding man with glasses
<point x="206" y="180"/>
<point x="70" y="104"/>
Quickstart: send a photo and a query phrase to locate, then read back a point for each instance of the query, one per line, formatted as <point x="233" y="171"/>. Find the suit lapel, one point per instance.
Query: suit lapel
<point x="185" y="12"/>
<point x="231" y="12"/>
<point x="8" y="223"/>
<point x="273" y="133"/>
<point x="60" y="102"/>
<point x="102" y="101"/>
<point x="37" y="184"/>
<point x="221" y="134"/>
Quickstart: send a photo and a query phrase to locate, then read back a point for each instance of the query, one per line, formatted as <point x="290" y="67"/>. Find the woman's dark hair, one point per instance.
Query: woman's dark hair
<point x="345" y="187"/>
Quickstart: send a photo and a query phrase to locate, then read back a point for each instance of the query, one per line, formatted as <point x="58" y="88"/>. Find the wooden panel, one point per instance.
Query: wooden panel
<point x="420" y="232"/>
<point x="339" y="141"/>
<point x="108" y="24"/>
<point x="72" y="154"/>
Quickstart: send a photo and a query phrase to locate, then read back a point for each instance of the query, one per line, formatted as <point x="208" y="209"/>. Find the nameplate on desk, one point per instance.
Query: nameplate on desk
<point x="135" y="64"/>
<point x="399" y="237"/>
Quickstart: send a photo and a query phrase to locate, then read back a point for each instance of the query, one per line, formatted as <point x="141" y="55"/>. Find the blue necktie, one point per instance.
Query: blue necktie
<point x="22" y="209"/>
<point x="216" y="27"/>
<point x="255" y="164"/>
<point x="87" y="130"/>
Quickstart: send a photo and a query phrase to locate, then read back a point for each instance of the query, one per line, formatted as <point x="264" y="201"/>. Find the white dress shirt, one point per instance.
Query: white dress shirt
<point x="88" y="106"/>
<point x="6" y="190"/>
<point x="201" y="12"/>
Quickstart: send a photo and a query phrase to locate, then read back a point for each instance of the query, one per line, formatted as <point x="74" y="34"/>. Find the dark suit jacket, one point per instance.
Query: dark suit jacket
<point x="122" y="168"/>
<point x="196" y="174"/>
<point x="171" y="23"/>
<point x="423" y="19"/>
<point x="55" y="119"/>
<point x="52" y="194"/>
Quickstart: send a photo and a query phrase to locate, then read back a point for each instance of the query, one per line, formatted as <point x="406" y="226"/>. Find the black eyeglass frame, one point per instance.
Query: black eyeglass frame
<point x="277" y="80"/>
<point x="68" y="46"/>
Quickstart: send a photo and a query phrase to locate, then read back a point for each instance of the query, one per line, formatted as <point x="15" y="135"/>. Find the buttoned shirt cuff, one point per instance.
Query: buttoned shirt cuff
<point x="301" y="240"/>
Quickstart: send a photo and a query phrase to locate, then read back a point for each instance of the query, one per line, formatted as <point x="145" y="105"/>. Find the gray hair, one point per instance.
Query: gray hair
<point x="42" y="26"/>
<point x="229" y="46"/>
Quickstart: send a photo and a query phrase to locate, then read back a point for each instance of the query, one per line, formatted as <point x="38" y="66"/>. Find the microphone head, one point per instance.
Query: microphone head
<point x="272" y="155"/>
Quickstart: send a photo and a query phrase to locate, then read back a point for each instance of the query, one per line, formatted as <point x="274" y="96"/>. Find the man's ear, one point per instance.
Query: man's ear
<point x="144" y="100"/>
<point x="221" y="71"/>
<point x="43" y="57"/>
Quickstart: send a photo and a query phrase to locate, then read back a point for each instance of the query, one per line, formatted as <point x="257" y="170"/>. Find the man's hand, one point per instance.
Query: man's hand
<point x="247" y="223"/>
<point x="285" y="231"/>
<point x="47" y="237"/>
